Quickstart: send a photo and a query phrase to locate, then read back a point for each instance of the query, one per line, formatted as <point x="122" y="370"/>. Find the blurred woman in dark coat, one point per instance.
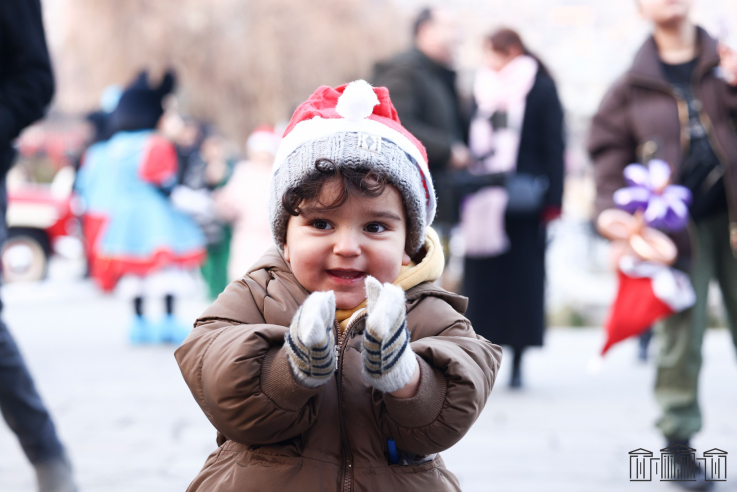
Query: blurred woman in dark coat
<point x="517" y="130"/>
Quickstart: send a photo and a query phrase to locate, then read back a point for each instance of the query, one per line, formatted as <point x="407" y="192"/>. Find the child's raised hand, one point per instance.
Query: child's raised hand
<point x="310" y="342"/>
<point x="388" y="361"/>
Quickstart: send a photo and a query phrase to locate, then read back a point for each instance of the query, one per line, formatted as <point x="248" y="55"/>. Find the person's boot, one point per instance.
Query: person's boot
<point x="142" y="332"/>
<point x="171" y="330"/>
<point x="700" y="483"/>
<point x="55" y="475"/>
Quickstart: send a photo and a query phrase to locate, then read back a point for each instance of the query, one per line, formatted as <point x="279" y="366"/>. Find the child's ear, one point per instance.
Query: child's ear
<point x="405" y="258"/>
<point x="286" y="252"/>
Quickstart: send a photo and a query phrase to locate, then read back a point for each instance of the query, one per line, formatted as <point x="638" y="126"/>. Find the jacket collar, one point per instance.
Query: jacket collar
<point x="272" y="260"/>
<point x="429" y="289"/>
<point x="646" y="69"/>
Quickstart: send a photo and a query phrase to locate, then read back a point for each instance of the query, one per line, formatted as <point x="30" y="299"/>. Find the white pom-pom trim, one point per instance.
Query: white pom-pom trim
<point x="357" y="101"/>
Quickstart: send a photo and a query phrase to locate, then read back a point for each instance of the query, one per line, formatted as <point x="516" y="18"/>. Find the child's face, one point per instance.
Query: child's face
<point x="665" y="12"/>
<point x="336" y="249"/>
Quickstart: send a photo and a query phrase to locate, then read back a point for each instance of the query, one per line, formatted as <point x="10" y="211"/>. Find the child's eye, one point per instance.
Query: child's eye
<point x="321" y="224"/>
<point x="375" y="227"/>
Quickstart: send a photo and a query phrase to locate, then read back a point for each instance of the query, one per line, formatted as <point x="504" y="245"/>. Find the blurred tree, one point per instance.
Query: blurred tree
<point x="239" y="62"/>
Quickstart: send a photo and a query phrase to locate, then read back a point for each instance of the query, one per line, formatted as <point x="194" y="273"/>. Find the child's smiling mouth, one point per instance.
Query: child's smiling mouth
<point x="346" y="276"/>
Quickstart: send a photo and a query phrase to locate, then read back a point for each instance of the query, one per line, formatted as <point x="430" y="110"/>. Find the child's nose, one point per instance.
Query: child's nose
<point x="347" y="244"/>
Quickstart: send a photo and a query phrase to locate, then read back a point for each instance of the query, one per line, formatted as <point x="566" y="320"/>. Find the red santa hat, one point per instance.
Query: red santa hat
<point x="648" y="292"/>
<point x="354" y="125"/>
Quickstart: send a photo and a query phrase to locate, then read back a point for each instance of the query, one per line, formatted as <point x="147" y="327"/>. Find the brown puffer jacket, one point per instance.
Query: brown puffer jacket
<point x="642" y="117"/>
<point x="275" y="435"/>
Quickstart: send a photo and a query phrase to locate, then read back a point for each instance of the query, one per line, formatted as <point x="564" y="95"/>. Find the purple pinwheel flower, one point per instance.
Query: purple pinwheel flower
<point x="664" y="206"/>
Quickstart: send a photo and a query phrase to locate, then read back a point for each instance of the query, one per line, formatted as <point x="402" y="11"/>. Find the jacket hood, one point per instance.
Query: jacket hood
<point x="272" y="260"/>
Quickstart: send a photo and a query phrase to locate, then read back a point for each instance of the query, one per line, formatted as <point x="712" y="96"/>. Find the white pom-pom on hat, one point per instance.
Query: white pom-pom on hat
<point x="357" y="101"/>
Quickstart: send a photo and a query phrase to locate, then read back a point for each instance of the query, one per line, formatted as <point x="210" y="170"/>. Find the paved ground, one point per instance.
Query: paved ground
<point x="131" y="424"/>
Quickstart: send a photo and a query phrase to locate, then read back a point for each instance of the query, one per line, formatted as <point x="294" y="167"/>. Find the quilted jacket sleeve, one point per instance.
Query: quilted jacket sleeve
<point x="239" y="374"/>
<point x="458" y="369"/>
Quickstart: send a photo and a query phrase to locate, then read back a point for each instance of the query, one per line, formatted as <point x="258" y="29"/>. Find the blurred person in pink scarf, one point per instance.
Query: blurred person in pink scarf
<point x="244" y="201"/>
<point x="517" y="130"/>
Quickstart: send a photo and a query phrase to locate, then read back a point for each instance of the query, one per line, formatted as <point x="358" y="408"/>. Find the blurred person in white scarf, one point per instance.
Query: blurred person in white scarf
<point x="517" y="130"/>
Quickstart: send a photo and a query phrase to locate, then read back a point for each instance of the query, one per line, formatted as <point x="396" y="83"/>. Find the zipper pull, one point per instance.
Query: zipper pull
<point x="338" y="343"/>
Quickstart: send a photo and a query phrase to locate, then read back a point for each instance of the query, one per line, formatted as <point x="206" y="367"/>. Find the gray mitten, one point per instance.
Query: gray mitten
<point x="388" y="360"/>
<point x="310" y="342"/>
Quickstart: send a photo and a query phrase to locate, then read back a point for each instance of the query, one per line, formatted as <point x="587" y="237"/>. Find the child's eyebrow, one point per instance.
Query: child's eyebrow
<point x="312" y="211"/>
<point x="386" y="215"/>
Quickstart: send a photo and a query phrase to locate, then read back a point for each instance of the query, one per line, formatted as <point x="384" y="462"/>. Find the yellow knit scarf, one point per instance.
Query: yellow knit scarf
<point x="428" y="269"/>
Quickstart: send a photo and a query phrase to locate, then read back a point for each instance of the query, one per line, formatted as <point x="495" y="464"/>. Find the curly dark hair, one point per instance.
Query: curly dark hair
<point x="354" y="182"/>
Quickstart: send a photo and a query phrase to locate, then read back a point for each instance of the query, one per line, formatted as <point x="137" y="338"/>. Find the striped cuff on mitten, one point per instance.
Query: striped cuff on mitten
<point x="388" y="360"/>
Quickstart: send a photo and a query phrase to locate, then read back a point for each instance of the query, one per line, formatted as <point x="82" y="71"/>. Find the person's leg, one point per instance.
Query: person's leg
<point x="726" y="271"/>
<point x="173" y="330"/>
<point x="22" y="406"/>
<point x="169" y="304"/>
<point x="679" y="361"/>
<point x="644" y="343"/>
<point x="138" y="306"/>
<point x="141" y="330"/>
<point x="516" y="379"/>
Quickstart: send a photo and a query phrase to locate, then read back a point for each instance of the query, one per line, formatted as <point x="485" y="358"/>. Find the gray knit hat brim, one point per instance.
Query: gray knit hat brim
<point x="358" y="151"/>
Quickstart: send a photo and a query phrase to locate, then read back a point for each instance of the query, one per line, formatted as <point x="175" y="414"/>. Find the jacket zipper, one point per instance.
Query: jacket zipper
<point x="340" y="349"/>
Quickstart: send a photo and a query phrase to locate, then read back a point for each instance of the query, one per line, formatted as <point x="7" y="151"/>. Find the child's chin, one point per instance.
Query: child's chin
<point x="345" y="300"/>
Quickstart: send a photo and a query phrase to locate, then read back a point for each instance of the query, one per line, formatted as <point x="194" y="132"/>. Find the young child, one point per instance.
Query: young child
<point x="335" y="363"/>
